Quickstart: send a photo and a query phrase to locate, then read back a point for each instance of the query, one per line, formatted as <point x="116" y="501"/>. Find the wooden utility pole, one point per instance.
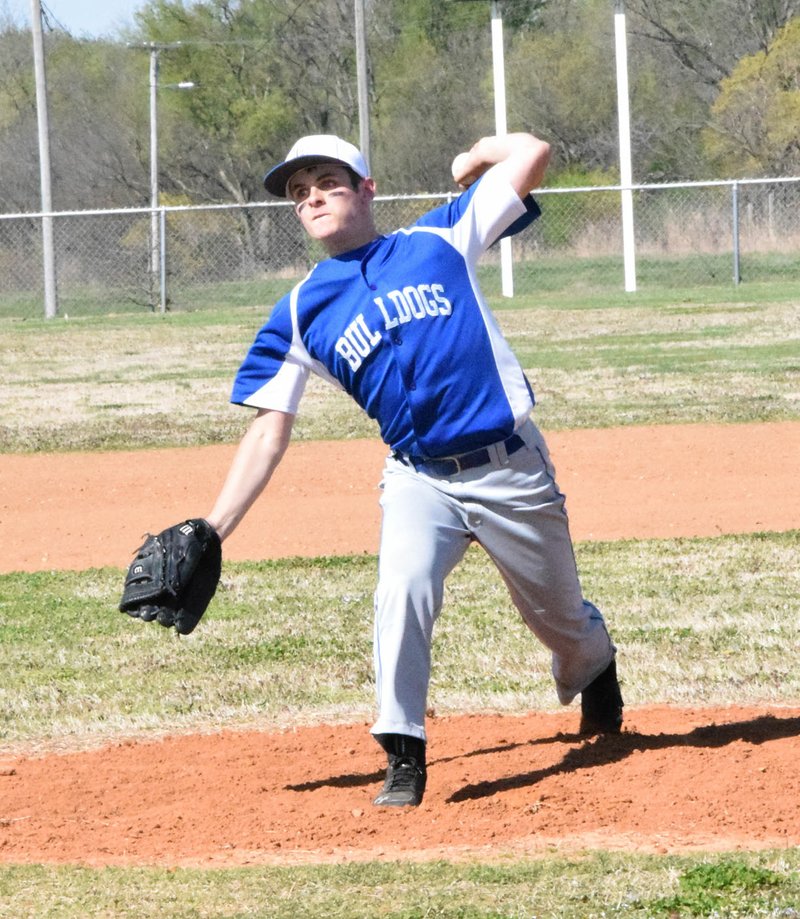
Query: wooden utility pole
<point x="48" y="243"/>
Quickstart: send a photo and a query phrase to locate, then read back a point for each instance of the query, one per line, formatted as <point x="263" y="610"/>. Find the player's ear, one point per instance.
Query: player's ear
<point x="369" y="187"/>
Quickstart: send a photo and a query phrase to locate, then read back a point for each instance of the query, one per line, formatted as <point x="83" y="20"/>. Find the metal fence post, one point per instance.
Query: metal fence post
<point x="735" y="205"/>
<point x="162" y="268"/>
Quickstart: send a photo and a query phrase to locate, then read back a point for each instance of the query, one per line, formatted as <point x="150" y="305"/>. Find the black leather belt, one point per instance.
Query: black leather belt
<point x="452" y="465"/>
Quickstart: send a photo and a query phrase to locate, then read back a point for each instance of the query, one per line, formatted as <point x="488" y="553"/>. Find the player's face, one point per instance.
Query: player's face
<point x="330" y="209"/>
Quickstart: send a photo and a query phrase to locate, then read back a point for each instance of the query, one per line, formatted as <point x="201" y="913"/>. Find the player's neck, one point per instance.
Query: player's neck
<point x="354" y="239"/>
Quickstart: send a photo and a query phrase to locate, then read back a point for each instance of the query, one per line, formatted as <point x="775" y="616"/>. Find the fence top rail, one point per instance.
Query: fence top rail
<point x="167" y="209"/>
<point x="658" y="186"/>
<point x="430" y="196"/>
<point x="177" y="208"/>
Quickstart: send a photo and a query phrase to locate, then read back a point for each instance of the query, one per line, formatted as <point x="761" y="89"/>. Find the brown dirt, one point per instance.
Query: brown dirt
<point x="675" y="780"/>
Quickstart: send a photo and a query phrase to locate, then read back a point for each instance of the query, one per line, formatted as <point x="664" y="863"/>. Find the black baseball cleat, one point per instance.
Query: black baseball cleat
<point x="601" y="704"/>
<point x="406" y="774"/>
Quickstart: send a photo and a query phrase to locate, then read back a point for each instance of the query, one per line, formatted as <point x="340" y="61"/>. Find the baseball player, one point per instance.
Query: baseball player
<point x="398" y="321"/>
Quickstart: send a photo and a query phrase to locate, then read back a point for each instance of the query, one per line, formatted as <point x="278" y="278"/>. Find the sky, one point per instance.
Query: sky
<point x="82" y="18"/>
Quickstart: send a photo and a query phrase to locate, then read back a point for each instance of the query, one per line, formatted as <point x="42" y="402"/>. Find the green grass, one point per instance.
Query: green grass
<point x="706" y="274"/>
<point x="697" y="621"/>
<point x="592" y="886"/>
<point x="595" y="360"/>
<point x="537" y="272"/>
<point x="651" y="362"/>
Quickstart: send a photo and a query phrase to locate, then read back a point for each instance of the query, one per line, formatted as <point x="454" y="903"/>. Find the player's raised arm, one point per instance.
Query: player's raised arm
<point x="524" y="156"/>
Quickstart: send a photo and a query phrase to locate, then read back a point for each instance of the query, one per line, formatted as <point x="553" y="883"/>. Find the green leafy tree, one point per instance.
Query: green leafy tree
<point x="216" y="137"/>
<point x="690" y="46"/>
<point x="264" y="73"/>
<point x="755" y="122"/>
<point x="429" y="99"/>
<point x="18" y="176"/>
<point x="97" y="109"/>
<point x="550" y="91"/>
<point x="267" y="71"/>
<point x="562" y="83"/>
<point x="433" y="83"/>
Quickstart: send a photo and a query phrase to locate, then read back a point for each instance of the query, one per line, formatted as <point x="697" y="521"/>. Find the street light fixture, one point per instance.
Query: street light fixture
<point x="157" y="280"/>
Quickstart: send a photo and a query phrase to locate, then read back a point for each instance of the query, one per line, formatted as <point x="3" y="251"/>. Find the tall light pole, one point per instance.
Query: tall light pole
<point x="501" y="128"/>
<point x="625" y="166"/>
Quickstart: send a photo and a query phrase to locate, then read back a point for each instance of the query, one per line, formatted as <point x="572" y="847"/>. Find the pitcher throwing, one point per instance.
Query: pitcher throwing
<point x="398" y="321"/>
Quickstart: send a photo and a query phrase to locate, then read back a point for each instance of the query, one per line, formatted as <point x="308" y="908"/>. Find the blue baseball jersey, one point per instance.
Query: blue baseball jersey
<point x="401" y="325"/>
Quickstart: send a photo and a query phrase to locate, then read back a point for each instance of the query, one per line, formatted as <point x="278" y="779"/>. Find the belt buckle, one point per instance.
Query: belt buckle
<point x="442" y="460"/>
<point x="460" y="459"/>
<point x="447" y="459"/>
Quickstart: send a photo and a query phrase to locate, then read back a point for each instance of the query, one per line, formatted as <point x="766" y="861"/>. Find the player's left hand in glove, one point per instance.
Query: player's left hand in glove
<point x="174" y="576"/>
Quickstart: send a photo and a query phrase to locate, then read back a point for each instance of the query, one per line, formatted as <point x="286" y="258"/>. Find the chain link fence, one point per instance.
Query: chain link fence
<point x="686" y="235"/>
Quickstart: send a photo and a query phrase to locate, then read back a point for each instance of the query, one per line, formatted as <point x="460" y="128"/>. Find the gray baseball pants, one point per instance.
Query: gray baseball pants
<point x="514" y="509"/>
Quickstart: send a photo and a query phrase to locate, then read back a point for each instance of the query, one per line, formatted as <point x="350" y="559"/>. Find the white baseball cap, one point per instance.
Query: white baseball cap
<point x="309" y="151"/>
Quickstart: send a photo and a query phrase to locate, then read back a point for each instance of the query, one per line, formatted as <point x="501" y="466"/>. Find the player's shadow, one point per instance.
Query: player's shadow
<point x="607" y="749"/>
<point x="347" y="780"/>
<point x="352" y="780"/>
<point x="591" y="753"/>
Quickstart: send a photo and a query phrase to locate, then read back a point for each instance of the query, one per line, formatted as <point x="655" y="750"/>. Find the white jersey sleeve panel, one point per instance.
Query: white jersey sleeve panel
<point x="493" y="208"/>
<point x="283" y="392"/>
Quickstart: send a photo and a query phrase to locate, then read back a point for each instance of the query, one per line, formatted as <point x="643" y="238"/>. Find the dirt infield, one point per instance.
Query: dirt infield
<point x="76" y="510"/>
<point x="674" y="780"/>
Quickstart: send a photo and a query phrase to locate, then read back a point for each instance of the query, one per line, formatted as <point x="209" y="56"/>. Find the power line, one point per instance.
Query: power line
<point x="50" y="19"/>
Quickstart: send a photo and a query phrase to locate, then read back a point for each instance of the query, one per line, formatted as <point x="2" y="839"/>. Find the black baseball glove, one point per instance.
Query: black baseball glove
<point x="174" y="576"/>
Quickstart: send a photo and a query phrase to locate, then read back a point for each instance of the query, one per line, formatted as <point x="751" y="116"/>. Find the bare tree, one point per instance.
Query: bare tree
<point x="708" y="37"/>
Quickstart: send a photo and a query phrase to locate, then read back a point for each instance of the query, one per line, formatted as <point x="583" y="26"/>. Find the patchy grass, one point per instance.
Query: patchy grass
<point x="589" y="886"/>
<point x="663" y="364"/>
<point x="287" y="642"/>
<point x="164" y="380"/>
